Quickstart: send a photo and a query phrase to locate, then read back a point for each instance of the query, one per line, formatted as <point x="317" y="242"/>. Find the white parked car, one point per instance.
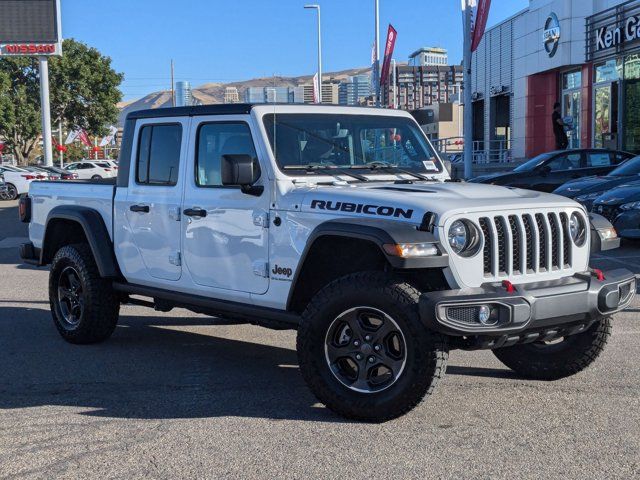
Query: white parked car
<point x="92" y="170"/>
<point x="17" y="180"/>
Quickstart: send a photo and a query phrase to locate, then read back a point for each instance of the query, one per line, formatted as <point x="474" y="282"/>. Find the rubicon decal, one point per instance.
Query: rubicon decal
<point x="367" y="209"/>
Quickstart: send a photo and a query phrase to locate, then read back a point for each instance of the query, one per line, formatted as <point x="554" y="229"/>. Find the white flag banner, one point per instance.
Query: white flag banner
<point x="72" y="137"/>
<point x="316" y="89"/>
<point x="109" y="138"/>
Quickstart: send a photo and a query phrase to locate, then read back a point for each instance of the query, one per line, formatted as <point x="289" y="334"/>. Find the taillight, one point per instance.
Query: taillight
<point x="28" y="177"/>
<point x="107" y="169"/>
<point x="24" y="209"/>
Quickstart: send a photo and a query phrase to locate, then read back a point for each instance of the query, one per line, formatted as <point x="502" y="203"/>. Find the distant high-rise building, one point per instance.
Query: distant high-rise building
<point x="269" y="95"/>
<point x="304" y="93"/>
<point x="354" y="90"/>
<point x="231" y="95"/>
<point x="184" y="97"/>
<point x="419" y="87"/>
<point x="429" y="56"/>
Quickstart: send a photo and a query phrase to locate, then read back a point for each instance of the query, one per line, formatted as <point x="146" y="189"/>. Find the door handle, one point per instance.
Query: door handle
<point x="195" y="212"/>
<point x="139" y="208"/>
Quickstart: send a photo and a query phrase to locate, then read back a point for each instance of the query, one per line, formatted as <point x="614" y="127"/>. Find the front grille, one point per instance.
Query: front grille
<point x="526" y="243"/>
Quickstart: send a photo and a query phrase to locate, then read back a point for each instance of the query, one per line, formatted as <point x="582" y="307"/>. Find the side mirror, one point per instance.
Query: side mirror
<point x="241" y="171"/>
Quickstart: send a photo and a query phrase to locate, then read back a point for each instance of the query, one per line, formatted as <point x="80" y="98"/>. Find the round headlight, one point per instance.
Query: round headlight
<point x="577" y="228"/>
<point x="463" y="238"/>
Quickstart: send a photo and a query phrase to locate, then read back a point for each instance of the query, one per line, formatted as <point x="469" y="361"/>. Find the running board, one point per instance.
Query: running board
<point x="263" y="316"/>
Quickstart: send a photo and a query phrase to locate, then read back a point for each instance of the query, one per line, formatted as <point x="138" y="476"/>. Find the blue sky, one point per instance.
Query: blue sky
<point x="221" y="40"/>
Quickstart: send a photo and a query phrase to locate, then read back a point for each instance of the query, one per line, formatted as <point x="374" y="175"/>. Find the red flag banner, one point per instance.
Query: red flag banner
<point x="84" y="138"/>
<point x="480" y="23"/>
<point x="388" y="53"/>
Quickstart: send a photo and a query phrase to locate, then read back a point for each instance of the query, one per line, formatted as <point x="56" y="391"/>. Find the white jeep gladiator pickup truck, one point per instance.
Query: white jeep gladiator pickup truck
<point x="341" y="223"/>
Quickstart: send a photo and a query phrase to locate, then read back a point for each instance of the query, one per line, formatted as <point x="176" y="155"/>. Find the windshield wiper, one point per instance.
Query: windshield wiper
<point x="392" y="167"/>
<point x="334" y="171"/>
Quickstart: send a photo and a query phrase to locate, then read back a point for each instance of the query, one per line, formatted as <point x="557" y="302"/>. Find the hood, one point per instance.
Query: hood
<point x="409" y="202"/>
<point x="588" y="185"/>
<point x="625" y="193"/>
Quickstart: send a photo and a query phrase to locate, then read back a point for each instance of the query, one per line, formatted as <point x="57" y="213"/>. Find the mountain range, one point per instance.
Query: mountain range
<point x="213" y="93"/>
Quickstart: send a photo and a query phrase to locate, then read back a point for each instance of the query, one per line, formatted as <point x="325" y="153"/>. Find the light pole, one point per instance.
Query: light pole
<point x="376" y="49"/>
<point x="466" y="84"/>
<point x="317" y="7"/>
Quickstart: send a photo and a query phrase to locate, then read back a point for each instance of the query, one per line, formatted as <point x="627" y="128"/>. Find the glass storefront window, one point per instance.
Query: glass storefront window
<point x="632" y="67"/>
<point x="609" y="71"/>
<point x="572" y="80"/>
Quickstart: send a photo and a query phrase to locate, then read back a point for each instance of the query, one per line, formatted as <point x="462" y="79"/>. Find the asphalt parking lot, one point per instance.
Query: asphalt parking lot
<point x="175" y="396"/>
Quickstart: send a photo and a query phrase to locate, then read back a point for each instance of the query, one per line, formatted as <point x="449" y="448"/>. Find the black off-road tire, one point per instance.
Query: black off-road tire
<point x="557" y="360"/>
<point x="101" y="306"/>
<point x="426" y="351"/>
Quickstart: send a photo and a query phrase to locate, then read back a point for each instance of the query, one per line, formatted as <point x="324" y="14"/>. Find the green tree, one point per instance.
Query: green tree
<point x="84" y="88"/>
<point x="84" y="91"/>
<point x="19" y="106"/>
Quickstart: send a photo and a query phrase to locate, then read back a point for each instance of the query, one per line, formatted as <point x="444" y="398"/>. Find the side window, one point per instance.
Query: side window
<point x="599" y="159"/>
<point x="216" y="140"/>
<point x="158" y="161"/>
<point x="619" y="158"/>
<point x="565" y="161"/>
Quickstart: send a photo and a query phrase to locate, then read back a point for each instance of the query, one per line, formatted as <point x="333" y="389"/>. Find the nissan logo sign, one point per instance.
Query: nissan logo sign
<point x="551" y="34"/>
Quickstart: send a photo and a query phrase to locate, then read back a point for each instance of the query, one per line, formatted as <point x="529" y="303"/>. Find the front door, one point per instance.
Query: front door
<point x="152" y="207"/>
<point x="225" y="230"/>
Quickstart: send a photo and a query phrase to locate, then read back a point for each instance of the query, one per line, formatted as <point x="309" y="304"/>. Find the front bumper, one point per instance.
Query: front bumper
<point x="627" y="224"/>
<point x="532" y="312"/>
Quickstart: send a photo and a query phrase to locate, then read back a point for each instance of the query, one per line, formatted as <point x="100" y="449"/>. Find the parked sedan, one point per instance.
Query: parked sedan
<point x="621" y="206"/>
<point x="17" y="180"/>
<point x="548" y="171"/>
<point x="93" y="170"/>
<point x="588" y="189"/>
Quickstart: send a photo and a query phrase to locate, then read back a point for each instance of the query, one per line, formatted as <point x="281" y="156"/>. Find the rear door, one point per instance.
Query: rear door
<point x="225" y="231"/>
<point x="152" y="207"/>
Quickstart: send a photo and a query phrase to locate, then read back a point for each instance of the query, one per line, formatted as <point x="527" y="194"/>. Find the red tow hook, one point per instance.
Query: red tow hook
<point x="596" y="272"/>
<point x="508" y="286"/>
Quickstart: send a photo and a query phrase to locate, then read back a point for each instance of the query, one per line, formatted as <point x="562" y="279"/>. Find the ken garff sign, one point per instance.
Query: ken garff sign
<point x="612" y="35"/>
<point x="551" y="34"/>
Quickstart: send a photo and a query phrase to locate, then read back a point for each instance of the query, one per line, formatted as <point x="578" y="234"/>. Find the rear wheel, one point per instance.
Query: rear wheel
<point x="96" y="177"/>
<point x="12" y="191"/>
<point x="363" y="350"/>
<point x="557" y="359"/>
<point x="84" y="306"/>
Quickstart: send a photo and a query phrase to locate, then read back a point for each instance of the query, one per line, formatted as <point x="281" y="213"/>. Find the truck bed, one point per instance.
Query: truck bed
<point x="46" y="195"/>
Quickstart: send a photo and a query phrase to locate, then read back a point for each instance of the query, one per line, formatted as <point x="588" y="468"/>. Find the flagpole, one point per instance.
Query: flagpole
<point x="468" y="110"/>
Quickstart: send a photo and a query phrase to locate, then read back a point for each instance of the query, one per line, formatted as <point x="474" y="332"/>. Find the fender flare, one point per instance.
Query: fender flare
<point x="380" y="233"/>
<point x="95" y="231"/>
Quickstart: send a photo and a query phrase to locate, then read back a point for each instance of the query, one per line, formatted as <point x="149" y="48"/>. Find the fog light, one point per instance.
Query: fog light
<point x="484" y="314"/>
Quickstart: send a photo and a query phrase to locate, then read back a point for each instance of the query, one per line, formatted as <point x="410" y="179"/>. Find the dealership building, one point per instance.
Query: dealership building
<point x="584" y="54"/>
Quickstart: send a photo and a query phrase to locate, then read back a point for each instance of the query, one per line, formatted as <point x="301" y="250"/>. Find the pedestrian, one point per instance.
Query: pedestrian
<point x="559" y="128"/>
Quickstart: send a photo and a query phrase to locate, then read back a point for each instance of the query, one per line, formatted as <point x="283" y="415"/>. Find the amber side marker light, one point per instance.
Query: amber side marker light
<point x="411" y="250"/>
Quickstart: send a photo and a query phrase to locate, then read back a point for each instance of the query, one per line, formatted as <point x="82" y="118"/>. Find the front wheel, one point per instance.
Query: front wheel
<point x="363" y="350"/>
<point x="84" y="306"/>
<point x="96" y="177"/>
<point x="558" y="359"/>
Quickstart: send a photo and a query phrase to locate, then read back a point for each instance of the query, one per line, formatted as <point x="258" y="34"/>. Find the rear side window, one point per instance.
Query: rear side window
<point x="599" y="159"/>
<point x="158" y="159"/>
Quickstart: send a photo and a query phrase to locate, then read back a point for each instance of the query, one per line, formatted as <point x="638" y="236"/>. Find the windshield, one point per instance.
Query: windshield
<point x="301" y="142"/>
<point x="533" y="163"/>
<point x="630" y="167"/>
